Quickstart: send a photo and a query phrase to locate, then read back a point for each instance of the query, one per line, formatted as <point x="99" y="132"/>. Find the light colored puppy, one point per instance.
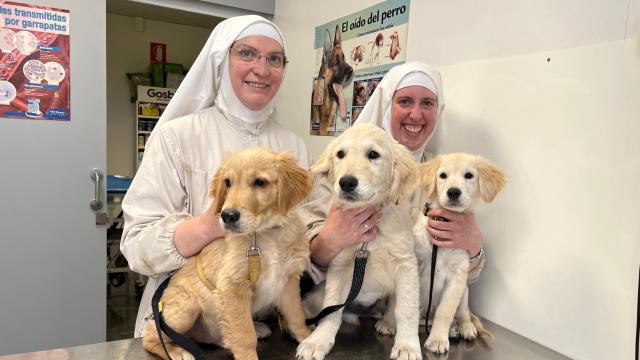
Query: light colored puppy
<point x="255" y="191"/>
<point x="455" y="182"/>
<point x="366" y="167"/>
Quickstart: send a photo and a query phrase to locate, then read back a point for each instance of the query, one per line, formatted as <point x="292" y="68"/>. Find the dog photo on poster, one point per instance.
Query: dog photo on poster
<point x="352" y="54"/>
<point x="34" y="62"/>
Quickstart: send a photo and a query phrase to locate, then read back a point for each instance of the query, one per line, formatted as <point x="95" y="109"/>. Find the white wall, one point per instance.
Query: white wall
<point x="128" y="51"/>
<point x="563" y="239"/>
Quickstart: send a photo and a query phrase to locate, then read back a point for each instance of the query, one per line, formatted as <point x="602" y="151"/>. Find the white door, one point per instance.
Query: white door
<point x="52" y="253"/>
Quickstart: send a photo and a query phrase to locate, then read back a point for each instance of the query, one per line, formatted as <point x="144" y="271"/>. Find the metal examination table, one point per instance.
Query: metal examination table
<point x="352" y="343"/>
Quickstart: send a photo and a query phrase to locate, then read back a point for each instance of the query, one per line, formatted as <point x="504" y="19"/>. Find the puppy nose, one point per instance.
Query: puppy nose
<point x="454" y="193"/>
<point x="348" y="183"/>
<point x="230" y="216"/>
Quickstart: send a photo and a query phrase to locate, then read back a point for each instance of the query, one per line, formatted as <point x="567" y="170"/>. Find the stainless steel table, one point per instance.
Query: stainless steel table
<point x="352" y="343"/>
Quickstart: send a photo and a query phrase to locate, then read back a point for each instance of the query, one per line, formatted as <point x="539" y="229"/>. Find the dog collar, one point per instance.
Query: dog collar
<point x="253" y="253"/>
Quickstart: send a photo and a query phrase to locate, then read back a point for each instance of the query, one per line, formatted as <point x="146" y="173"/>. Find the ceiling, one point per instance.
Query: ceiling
<point x="159" y="13"/>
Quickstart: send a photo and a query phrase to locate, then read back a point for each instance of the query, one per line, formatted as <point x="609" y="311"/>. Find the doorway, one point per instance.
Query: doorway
<point x="131" y="29"/>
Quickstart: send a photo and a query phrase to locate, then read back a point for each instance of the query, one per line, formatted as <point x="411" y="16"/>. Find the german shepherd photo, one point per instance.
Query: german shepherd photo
<point x="328" y="95"/>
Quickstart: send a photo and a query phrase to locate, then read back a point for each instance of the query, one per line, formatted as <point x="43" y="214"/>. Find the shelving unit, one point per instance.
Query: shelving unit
<point x="152" y="101"/>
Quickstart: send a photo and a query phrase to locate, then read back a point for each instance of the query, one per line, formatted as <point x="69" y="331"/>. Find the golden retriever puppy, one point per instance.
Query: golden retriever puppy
<point x="255" y="191"/>
<point x="455" y="182"/>
<point x="366" y="167"/>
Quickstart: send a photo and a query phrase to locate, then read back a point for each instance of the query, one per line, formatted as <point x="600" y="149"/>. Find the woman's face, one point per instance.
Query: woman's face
<point x="255" y="84"/>
<point x="413" y="115"/>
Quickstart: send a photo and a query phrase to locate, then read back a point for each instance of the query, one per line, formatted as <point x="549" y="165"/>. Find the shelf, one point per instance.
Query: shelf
<point x="149" y="102"/>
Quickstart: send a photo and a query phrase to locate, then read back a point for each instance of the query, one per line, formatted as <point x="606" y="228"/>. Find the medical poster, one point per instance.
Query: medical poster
<point x="352" y="54"/>
<point x="34" y="62"/>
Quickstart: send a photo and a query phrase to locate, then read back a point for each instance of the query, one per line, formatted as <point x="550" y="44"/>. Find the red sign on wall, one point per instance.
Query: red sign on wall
<point x="158" y="53"/>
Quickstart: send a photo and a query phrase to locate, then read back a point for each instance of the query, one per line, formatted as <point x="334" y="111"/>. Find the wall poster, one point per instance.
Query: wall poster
<point x="34" y="62"/>
<point x="352" y="54"/>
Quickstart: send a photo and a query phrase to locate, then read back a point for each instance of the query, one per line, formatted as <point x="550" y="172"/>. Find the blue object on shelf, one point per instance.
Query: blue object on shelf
<point x="117" y="184"/>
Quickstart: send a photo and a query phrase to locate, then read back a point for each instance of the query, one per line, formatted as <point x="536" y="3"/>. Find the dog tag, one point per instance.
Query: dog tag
<point x="253" y="253"/>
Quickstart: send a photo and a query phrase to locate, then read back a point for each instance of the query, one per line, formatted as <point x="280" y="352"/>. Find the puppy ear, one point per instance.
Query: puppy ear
<point x="405" y="170"/>
<point x="490" y="178"/>
<point x="218" y="189"/>
<point x="428" y="176"/>
<point x="294" y="182"/>
<point x="324" y="164"/>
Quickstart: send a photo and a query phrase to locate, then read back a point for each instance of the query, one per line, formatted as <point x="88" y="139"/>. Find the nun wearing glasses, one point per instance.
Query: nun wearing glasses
<point x="225" y="104"/>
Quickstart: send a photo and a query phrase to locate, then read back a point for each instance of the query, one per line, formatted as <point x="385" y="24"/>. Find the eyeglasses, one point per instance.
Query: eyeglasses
<point x="250" y="56"/>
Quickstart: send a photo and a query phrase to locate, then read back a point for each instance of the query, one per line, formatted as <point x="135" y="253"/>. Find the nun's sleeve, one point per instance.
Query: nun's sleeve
<point x="154" y="205"/>
<point x="314" y="214"/>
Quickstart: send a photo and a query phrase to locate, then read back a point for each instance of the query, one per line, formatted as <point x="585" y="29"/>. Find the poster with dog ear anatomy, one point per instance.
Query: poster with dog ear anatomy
<point x="34" y="62"/>
<point x="352" y="54"/>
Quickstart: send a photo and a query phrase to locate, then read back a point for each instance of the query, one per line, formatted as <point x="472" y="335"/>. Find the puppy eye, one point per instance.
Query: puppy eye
<point x="373" y="155"/>
<point x="468" y="175"/>
<point x="260" y="182"/>
<point x="340" y="154"/>
<point x="443" y="175"/>
<point x="227" y="183"/>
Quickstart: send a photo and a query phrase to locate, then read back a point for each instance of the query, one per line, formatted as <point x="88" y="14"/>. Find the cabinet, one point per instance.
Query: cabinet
<point x="152" y="101"/>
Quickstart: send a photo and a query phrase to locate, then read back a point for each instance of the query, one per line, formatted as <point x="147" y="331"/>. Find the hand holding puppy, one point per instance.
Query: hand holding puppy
<point x="344" y="228"/>
<point x="460" y="231"/>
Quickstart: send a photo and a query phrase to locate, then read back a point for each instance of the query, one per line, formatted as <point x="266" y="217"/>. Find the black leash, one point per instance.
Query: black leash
<point x="638" y="320"/>
<point x="358" y="277"/>
<point x="434" y="258"/>
<point x="161" y="326"/>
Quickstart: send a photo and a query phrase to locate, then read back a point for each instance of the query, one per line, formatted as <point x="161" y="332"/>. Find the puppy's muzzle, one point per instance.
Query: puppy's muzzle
<point x="348" y="185"/>
<point x="230" y="217"/>
<point x="454" y="194"/>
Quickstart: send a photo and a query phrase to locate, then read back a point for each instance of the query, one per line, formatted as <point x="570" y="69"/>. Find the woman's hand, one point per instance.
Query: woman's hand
<point x="459" y="232"/>
<point x="343" y="228"/>
<point x="194" y="234"/>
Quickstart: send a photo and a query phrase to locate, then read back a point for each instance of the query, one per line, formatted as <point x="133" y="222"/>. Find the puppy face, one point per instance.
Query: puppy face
<point x="365" y="166"/>
<point x="255" y="187"/>
<point x="457" y="181"/>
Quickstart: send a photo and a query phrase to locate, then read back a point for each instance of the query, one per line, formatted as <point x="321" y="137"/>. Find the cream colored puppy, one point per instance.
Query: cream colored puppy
<point x="455" y="182"/>
<point x="366" y="167"/>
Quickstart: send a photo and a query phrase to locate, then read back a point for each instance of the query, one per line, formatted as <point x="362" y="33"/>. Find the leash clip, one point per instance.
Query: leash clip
<point x="362" y="253"/>
<point x="253" y="251"/>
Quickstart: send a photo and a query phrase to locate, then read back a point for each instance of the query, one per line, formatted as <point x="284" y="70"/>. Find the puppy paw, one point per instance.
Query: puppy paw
<point x="468" y="331"/>
<point x="384" y="328"/>
<point x="262" y="330"/>
<point x="313" y="349"/>
<point x="454" y="332"/>
<point x="178" y="353"/>
<point x="406" y="350"/>
<point x="437" y="343"/>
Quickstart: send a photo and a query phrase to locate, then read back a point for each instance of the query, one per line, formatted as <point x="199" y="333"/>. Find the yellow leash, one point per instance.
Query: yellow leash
<point x="201" y="275"/>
